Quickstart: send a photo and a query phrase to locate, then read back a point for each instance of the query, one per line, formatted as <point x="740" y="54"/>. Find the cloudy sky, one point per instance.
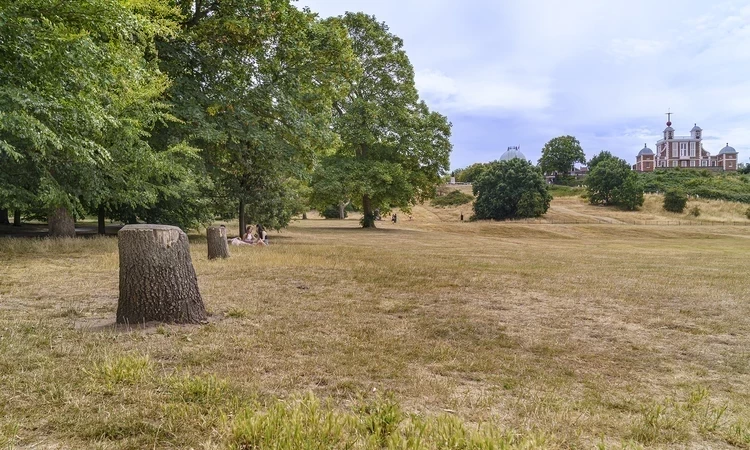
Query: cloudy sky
<point x="521" y="72"/>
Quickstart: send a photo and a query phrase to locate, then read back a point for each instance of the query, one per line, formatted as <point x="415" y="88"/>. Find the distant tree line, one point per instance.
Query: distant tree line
<point x="182" y="111"/>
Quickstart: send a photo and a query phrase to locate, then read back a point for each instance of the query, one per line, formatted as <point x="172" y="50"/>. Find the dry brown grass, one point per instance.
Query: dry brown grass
<point x="624" y="336"/>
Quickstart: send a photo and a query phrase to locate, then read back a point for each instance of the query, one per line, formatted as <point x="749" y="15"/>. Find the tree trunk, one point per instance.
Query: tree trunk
<point x="17" y="218"/>
<point x="242" y="218"/>
<point x="342" y="211"/>
<point x="4" y="217"/>
<point x="368" y="220"/>
<point x="157" y="279"/>
<point x="217" y="242"/>
<point x="102" y="228"/>
<point x="61" y="223"/>
<point x="304" y="216"/>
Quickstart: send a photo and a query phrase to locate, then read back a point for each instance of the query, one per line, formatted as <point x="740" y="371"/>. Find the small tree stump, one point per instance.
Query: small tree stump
<point x="157" y="279"/>
<point x="217" y="242"/>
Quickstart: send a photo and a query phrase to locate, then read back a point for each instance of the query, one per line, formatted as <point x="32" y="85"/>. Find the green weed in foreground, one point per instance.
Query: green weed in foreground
<point x="128" y="369"/>
<point x="673" y="421"/>
<point x="308" y="424"/>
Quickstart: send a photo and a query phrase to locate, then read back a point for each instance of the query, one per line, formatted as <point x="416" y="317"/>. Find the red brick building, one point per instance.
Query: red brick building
<point x="685" y="152"/>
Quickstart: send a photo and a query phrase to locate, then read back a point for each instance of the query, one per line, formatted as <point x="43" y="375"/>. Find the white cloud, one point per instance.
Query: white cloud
<point x="604" y="71"/>
<point x="478" y="92"/>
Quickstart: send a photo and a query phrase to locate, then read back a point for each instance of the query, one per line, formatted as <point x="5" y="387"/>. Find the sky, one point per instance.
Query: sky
<point x="521" y="72"/>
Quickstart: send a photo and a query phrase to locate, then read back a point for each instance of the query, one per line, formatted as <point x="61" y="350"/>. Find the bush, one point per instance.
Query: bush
<point x="611" y="182"/>
<point x="453" y="198"/>
<point x="332" y="212"/>
<point x="675" y="200"/>
<point x="510" y="190"/>
<point x="747" y="213"/>
<point x="695" y="211"/>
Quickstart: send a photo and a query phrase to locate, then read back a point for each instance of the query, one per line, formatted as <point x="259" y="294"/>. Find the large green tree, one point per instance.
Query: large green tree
<point x="79" y="88"/>
<point x="393" y="148"/>
<point x="612" y="182"/>
<point x="254" y="85"/>
<point x="510" y="190"/>
<point x="559" y="155"/>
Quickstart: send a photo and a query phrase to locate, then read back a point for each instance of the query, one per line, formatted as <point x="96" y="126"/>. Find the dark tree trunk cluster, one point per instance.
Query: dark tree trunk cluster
<point x="4" y="217"/>
<point x="157" y="278"/>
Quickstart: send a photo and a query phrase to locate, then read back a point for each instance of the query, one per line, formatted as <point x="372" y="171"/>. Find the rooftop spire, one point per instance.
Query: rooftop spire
<point x="669" y="117"/>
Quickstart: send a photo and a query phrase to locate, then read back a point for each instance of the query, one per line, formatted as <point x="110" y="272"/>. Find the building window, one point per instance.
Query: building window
<point x="675" y="151"/>
<point x="692" y="163"/>
<point x="674" y="163"/>
<point x="692" y="149"/>
<point x="704" y="163"/>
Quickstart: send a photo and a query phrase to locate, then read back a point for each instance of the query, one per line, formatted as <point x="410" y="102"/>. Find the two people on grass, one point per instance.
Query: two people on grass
<point x="260" y="238"/>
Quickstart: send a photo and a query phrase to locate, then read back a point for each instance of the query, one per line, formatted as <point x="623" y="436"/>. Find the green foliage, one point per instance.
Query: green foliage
<point x="453" y="198"/>
<point x="393" y="149"/>
<point x="695" y="211"/>
<point x="560" y="153"/>
<point x="601" y="156"/>
<point x="747" y="213"/>
<point x="82" y="93"/>
<point x="675" y="200"/>
<point x="332" y="212"/>
<point x="733" y="187"/>
<point x="510" y="190"/>
<point x="470" y="173"/>
<point x="611" y="182"/>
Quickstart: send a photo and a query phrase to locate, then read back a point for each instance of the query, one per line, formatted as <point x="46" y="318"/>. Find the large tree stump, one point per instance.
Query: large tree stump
<point x="217" y="242"/>
<point x="61" y="223"/>
<point x="157" y="279"/>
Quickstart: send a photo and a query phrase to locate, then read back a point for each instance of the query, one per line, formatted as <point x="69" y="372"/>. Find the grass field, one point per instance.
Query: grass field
<point x="428" y="333"/>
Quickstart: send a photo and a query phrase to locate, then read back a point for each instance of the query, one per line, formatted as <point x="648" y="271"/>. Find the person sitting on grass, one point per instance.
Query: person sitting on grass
<point x="262" y="235"/>
<point x="247" y="238"/>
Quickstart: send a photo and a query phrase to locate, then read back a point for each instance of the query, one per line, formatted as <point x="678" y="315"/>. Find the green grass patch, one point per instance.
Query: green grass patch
<point x="565" y="191"/>
<point x="734" y="187"/>
<point x="307" y="423"/>
<point x="127" y="369"/>
<point x="453" y="198"/>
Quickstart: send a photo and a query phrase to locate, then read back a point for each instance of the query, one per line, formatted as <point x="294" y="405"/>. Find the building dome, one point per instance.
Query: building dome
<point x="696" y="128"/>
<point x="512" y="153"/>
<point x="645" y="151"/>
<point x="669" y="128"/>
<point x="728" y="150"/>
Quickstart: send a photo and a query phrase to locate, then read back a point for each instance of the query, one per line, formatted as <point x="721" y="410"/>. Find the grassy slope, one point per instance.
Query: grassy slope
<point x="565" y="335"/>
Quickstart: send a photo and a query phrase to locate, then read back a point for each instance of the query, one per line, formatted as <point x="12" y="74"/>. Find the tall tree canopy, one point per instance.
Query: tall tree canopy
<point x="79" y="88"/>
<point x="393" y="149"/>
<point x="559" y="155"/>
<point x="254" y="85"/>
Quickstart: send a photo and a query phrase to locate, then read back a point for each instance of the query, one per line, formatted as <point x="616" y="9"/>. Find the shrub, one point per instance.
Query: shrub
<point x="695" y="211"/>
<point x="332" y="212"/>
<point x="675" y="200"/>
<point x="453" y="198"/>
<point x="611" y="182"/>
<point x="510" y="190"/>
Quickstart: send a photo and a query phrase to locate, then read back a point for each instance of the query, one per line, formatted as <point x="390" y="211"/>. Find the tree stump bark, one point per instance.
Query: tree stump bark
<point x="157" y="278"/>
<point x="61" y="223"/>
<point x="17" y="218"/>
<point x="217" y="242"/>
<point x="4" y="217"/>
